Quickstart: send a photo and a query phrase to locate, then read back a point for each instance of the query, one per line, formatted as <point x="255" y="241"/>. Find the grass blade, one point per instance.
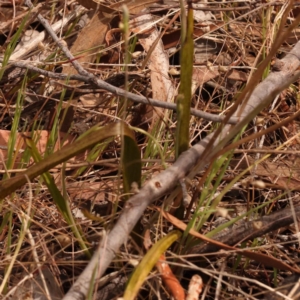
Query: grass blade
<point x="148" y="262"/>
<point x="91" y="139"/>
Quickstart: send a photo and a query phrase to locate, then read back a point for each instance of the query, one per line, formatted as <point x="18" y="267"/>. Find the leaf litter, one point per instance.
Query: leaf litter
<point x="230" y="40"/>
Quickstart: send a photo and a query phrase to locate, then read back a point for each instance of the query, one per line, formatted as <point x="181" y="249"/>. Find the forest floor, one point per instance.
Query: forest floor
<point x="91" y="177"/>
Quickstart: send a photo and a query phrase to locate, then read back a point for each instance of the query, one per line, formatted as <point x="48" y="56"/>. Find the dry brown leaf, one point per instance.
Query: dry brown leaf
<point x="286" y="182"/>
<point x="171" y="282"/>
<point x="95" y="191"/>
<point x="42" y="138"/>
<point x="162" y="86"/>
<point x="237" y="75"/>
<point x="92" y="37"/>
<point x="89" y="40"/>
<point x="201" y="76"/>
<point x="285" y="174"/>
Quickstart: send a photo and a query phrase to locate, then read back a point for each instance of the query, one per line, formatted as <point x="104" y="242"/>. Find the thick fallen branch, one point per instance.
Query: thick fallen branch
<point x="247" y="230"/>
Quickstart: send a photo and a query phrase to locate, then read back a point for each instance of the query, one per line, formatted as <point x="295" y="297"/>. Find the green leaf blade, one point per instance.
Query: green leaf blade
<point x="148" y="262"/>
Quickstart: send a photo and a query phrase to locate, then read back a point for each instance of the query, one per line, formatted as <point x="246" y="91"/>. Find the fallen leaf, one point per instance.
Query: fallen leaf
<point x="162" y="86"/>
<point x="42" y="137"/>
<point x="89" y="41"/>
<point x="170" y="281"/>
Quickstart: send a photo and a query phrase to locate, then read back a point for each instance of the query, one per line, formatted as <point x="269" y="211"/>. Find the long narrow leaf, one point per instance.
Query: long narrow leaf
<point x="148" y="262"/>
<point x="132" y="166"/>
<point x="184" y="96"/>
<point x="61" y="203"/>
<point x="93" y="138"/>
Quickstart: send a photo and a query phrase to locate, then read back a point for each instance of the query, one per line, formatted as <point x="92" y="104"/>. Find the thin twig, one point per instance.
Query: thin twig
<point x="120" y="92"/>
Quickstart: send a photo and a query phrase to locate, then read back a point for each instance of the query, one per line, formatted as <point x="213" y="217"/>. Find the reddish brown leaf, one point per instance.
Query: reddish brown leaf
<point x="169" y="279"/>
